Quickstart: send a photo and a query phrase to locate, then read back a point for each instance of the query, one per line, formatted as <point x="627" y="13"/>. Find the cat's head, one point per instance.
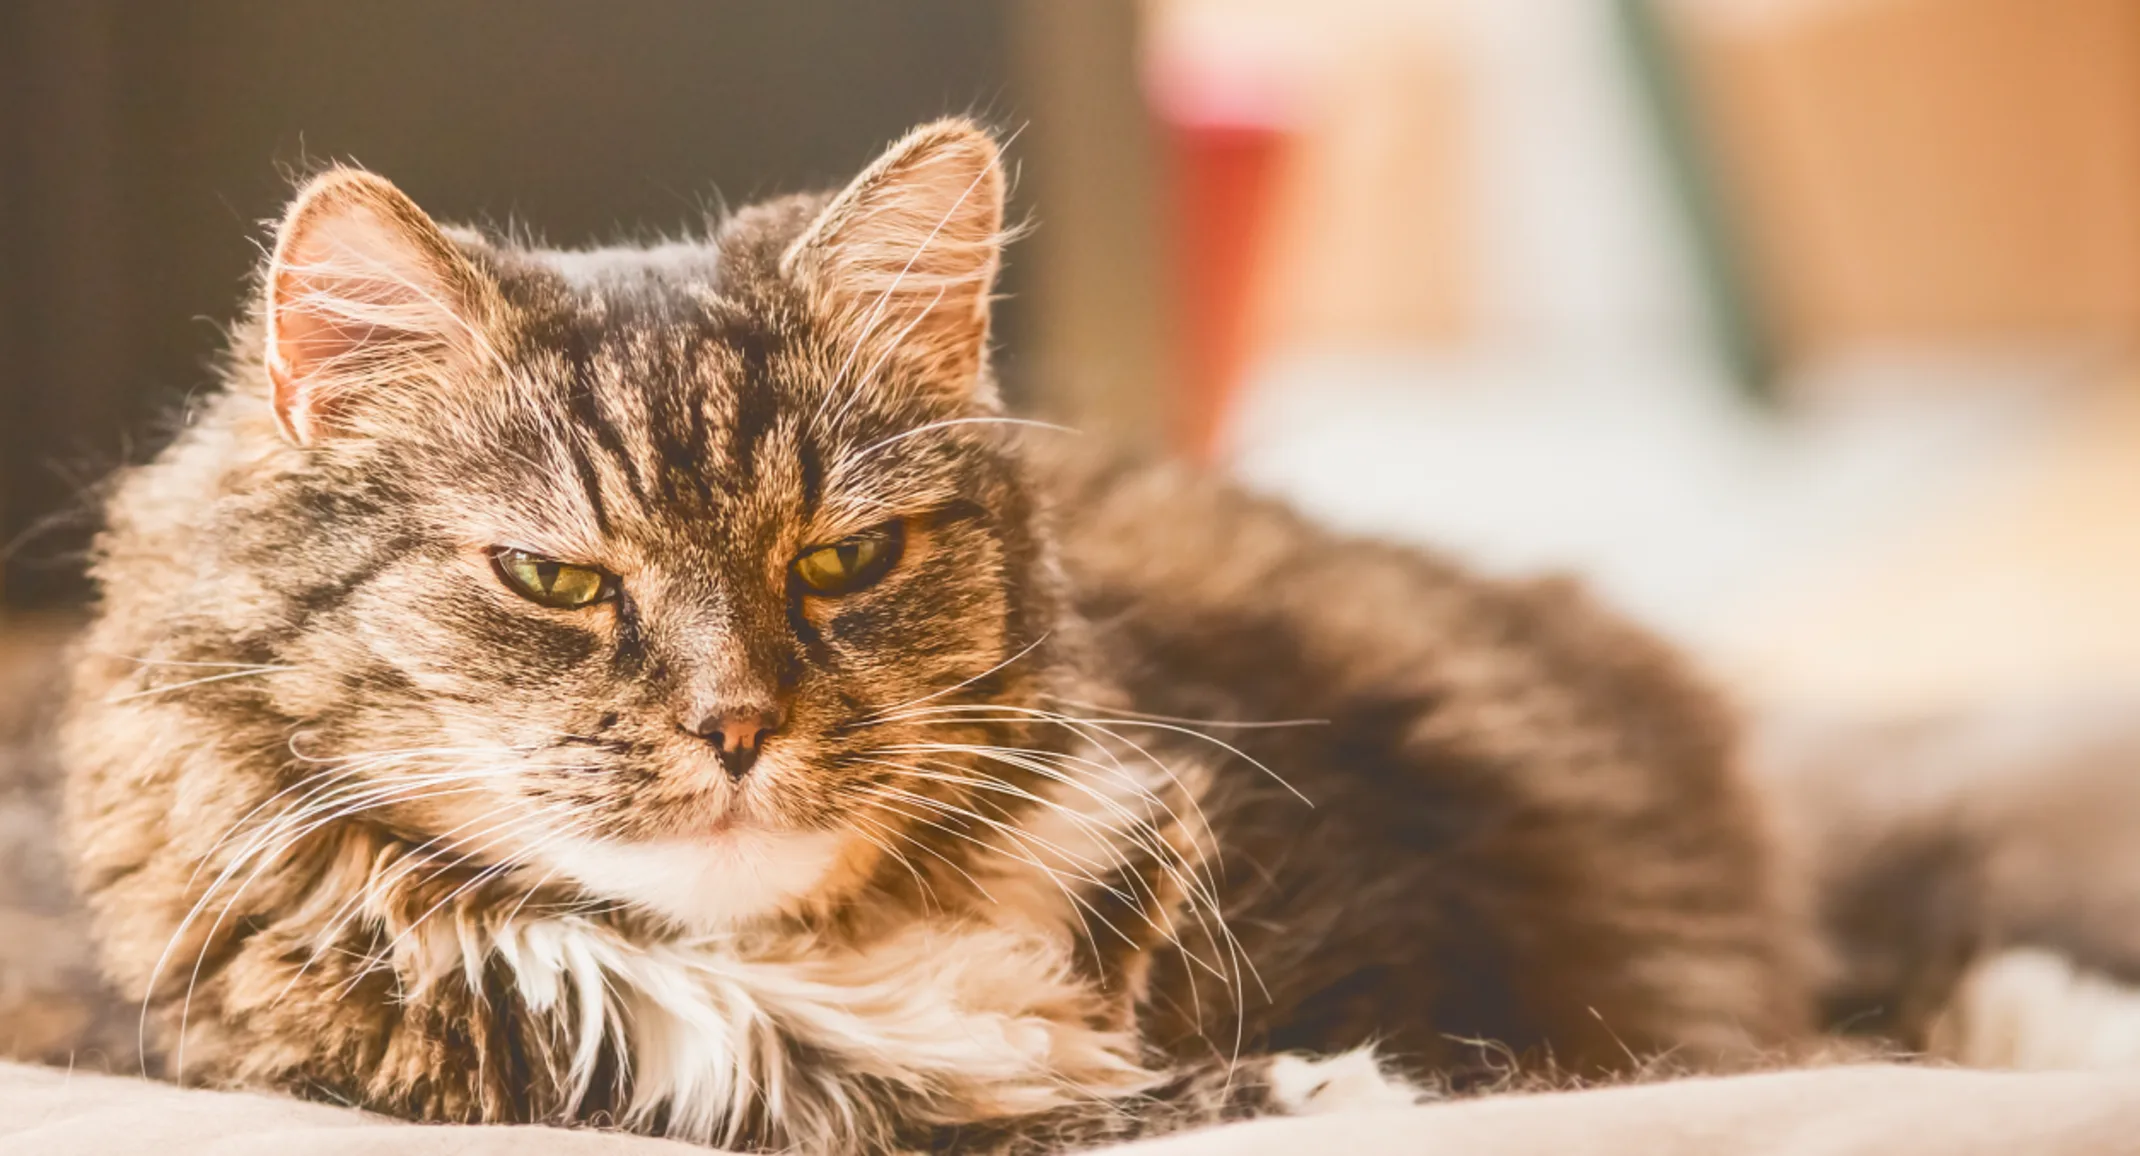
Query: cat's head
<point x="660" y="567"/>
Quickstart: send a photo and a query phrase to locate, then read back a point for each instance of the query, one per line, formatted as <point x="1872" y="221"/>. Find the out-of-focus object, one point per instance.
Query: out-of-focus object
<point x="1472" y="182"/>
<point x="1973" y="871"/>
<point x="1320" y="182"/>
<point x="1227" y="119"/>
<point x="55" y="1007"/>
<point x="1222" y="191"/>
<point x="1096" y="350"/>
<point x="1738" y="331"/>
<point x="2037" y="1010"/>
<point x="1930" y="170"/>
<point x="2024" y="585"/>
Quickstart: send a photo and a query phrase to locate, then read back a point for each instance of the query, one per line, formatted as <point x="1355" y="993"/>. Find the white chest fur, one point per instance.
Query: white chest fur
<point x="965" y="1022"/>
<point x="703" y="882"/>
<point x="960" y="1018"/>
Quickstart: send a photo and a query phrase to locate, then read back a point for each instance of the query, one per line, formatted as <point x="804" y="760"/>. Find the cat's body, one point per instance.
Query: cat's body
<point x="1520" y="825"/>
<point x="658" y="688"/>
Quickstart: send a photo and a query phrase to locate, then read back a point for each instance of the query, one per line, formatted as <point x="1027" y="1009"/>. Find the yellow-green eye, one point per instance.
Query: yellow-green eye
<point x="851" y="563"/>
<point x="549" y="582"/>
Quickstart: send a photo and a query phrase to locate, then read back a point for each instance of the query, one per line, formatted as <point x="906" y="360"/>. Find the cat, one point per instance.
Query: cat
<point x="659" y="687"/>
<point x="1975" y="885"/>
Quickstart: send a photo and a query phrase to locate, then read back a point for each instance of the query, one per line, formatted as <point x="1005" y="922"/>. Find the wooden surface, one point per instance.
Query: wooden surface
<point x="1929" y="169"/>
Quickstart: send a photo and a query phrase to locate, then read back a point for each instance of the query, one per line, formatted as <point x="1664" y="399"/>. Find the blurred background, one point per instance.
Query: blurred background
<point x="1804" y="328"/>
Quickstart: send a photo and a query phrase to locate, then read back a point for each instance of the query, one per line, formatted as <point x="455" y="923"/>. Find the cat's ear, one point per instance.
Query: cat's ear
<point x="368" y="305"/>
<point x="904" y="260"/>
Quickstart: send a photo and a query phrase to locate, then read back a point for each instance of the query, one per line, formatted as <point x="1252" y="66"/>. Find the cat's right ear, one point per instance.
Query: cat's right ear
<point x="368" y="306"/>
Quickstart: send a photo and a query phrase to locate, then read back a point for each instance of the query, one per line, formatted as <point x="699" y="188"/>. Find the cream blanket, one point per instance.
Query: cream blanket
<point x="1844" y="1111"/>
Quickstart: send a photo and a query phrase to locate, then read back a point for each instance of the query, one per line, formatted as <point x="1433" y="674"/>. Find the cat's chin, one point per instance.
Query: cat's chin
<point x="711" y="881"/>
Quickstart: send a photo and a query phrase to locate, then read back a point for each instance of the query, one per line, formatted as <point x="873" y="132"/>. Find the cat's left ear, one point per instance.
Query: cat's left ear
<point x="904" y="260"/>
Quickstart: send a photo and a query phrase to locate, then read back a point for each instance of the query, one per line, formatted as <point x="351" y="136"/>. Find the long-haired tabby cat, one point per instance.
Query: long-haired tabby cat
<point x="658" y="687"/>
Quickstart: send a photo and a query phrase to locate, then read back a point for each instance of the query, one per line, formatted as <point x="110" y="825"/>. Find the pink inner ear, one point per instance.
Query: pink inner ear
<point x="358" y="303"/>
<point x="305" y="345"/>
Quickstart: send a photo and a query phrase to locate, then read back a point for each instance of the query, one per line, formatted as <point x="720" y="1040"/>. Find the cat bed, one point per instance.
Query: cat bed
<point x="1841" y="1111"/>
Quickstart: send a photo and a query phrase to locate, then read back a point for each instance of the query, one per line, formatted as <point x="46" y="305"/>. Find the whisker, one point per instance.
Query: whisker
<point x="869" y="719"/>
<point x="1168" y="860"/>
<point x="1042" y="763"/>
<point x="312" y="788"/>
<point x="850" y="463"/>
<point x="1103" y="725"/>
<point x="954" y="811"/>
<point x="412" y="860"/>
<point x="896" y="855"/>
<point x="1197" y="886"/>
<point x="1229" y="724"/>
<point x="921" y="846"/>
<point x="197" y="664"/>
<point x="224" y="677"/>
<point x="1079" y="905"/>
<point x="277" y="836"/>
<point x="480" y="877"/>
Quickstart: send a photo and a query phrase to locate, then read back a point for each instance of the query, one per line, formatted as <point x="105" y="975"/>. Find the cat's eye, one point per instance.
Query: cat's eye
<point x="852" y="563"/>
<point x="549" y="582"/>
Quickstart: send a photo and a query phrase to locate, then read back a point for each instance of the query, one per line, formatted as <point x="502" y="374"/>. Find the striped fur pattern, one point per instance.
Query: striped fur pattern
<point x="1121" y="802"/>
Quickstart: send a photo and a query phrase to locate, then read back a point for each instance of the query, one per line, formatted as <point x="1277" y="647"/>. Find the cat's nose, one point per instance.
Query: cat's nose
<point x="738" y="733"/>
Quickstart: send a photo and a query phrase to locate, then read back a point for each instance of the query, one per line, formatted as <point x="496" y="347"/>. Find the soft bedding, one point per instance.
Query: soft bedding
<point x="1841" y="1111"/>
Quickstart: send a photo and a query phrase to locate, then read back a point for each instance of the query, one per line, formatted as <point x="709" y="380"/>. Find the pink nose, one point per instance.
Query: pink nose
<point x="738" y="734"/>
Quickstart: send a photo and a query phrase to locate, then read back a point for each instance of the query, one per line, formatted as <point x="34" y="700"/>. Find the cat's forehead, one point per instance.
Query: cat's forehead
<point x="586" y="302"/>
<point x="680" y="394"/>
<point x="595" y="272"/>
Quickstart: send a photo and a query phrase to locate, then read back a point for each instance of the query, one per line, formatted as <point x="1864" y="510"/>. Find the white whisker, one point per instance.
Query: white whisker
<point x="224" y="677"/>
<point x="850" y="462"/>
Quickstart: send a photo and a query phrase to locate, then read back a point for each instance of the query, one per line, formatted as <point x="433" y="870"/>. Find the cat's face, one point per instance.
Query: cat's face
<point x="659" y="569"/>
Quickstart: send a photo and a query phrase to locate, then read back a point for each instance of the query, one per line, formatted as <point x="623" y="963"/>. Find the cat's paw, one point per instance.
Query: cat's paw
<point x="1347" y="1082"/>
<point x="2032" y="1009"/>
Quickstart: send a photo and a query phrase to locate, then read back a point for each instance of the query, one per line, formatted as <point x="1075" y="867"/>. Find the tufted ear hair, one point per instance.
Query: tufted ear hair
<point x="369" y="306"/>
<point x="904" y="260"/>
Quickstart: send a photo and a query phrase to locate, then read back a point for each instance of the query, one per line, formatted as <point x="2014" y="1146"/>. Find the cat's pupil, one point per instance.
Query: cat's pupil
<point x="546" y="575"/>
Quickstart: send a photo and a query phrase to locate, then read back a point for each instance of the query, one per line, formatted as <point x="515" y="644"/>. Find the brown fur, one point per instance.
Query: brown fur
<point x="1934" y="844"/>
<point x="322" y="761"/>
<point x="1524" y="829"/>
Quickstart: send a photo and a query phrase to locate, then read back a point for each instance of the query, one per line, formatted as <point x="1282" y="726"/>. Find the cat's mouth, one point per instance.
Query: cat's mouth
<point x="714" y="817"/>
<point x="719" y="812"/>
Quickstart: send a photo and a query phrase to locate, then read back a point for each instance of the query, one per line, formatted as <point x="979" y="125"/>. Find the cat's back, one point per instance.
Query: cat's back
<point x="1200" y="587"/>
<point x="1523" y="820"/>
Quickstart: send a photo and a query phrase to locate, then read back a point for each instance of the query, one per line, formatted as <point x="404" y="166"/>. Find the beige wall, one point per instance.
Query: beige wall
<point x="1930" y="169"/>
